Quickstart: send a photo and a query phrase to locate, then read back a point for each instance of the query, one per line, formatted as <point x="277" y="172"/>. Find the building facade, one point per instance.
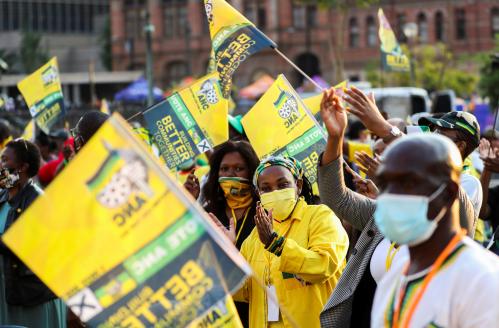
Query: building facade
<point x="306" y="34"/>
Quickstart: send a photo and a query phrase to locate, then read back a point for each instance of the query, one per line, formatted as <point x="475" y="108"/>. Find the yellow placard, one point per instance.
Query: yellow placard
<point x="43" y="94"/>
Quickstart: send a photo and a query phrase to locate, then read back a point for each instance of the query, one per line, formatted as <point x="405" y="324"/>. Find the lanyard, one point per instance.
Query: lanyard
<point x="419" y="293"/>
<point x="392" y="251"/>
<point x="242" y="224"/>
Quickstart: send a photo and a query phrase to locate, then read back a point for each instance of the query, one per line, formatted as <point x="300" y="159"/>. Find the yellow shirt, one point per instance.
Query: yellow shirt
<point x="315" y="253"/>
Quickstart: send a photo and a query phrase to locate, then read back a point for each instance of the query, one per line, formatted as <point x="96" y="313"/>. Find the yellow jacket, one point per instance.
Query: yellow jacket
<point x="305" y="274"/>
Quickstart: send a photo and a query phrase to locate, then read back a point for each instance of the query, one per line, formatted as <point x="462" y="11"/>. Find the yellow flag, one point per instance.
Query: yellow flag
<point x="43" y="94"/>
<point x="190" y="122"/>
<point x="234" y="38"/>
<point x="392" y="57"/>
<point x="279" y="124"/>
<point x="278" y="118"/>
<point x="104" y="107"/>
<point x="125" y="246"/>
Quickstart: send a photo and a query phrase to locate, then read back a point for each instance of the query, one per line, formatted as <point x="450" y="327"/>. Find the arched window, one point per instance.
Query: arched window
<point x="422" y="28"/>
<point x="401" y="21"/>
<point x="460" y="16"/>
<point x="175" y="71"/>
<point x="353" y="32"/>
<point x="439" y="26"/>
<point x="494" y="23"/>
<point x="371" y="31"/>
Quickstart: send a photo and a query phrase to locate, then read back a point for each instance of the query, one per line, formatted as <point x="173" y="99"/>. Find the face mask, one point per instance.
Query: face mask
<point x="403" y="219"/>
<point x="282" y="202"/>
<point x="237" y="192"/>
<point x="8" y="179"/>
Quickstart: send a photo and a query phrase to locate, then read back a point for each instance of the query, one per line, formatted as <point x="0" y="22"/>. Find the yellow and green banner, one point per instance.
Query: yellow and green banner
<point x="189" y="122"/>
<point x="126" y="246"/>
<point x="392" y="57"/>
<point x="42" y="92"/>
<point x="280" y="124"/>
<point x="234" y="38"/>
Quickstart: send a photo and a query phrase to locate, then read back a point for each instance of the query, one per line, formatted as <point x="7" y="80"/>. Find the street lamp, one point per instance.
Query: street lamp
<point x="411" y="32"/>
<point x="149" y="30"/>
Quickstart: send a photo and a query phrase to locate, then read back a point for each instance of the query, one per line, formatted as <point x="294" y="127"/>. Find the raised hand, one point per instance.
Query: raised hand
<point x="365" y="109"/>
<point x="364" y="187"/>
<point x="485" y="150"/>
<point x="263" y="222"/>
<point x="192" y="185"/>
<point x="333" y="114"/>
<point x="368" y="165"/>
<point x="231" y="232"/>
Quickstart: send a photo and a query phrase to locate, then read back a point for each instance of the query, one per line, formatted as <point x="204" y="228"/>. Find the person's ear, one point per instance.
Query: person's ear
<point x="461" y="145"/>
<point x="299" y="186"/>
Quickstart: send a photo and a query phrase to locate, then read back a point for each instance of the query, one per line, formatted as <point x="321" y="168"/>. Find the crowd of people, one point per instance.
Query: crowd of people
<point x="401" y="233"/>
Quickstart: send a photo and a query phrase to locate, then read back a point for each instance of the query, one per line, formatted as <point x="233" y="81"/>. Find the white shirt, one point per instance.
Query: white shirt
<point x="463" y="293"/>
<point x="473" y="189"/>
<point x="381" y="255"/>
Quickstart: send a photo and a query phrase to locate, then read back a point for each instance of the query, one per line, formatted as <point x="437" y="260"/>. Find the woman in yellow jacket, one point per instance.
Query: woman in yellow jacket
<point x="298" y="251"/>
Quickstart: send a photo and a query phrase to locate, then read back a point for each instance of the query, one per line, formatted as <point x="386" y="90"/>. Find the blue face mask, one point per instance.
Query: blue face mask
<point x="403" y="219"/>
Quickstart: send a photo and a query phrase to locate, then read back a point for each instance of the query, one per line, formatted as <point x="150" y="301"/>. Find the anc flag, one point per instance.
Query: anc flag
<point x="234" y="38"/>
<point x="43" y="94"/>
<point x="392" y="57"/>
<point x="279" y="124"/>
<point x="137" y="251"/>
<point x="189" y="122"/>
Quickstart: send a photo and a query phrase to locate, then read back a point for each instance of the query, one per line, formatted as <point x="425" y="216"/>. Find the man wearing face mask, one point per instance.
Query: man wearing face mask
<point x="438" y="286"/>
<point x="463" y="129"/>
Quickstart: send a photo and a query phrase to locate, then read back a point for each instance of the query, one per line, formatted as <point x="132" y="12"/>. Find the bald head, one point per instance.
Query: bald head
<point x="433" y="158"/>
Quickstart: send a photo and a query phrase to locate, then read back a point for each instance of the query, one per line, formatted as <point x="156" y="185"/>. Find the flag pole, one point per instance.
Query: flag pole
<point x="298" y="69"/>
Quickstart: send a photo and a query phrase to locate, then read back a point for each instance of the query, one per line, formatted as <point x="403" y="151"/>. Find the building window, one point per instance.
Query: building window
<point x="460" y="24"/>
<point x="175" y="18"/>
<point x="422" y="28"/>
<point x="439" y="26"/>
<point x="175" y="71"/>
<point x="371" y="31"/>
<point x="256" y="13"/>
<point x="401" y="21"/>
<point x="304" y="16"/>
<point x="495" y="22"/>
<point x="134" y="20"/>
<point x="353" y="33"/>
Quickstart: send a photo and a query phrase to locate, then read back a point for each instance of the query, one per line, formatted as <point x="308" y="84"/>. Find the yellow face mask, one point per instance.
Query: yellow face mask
<point x="237" y="192"/>
<point x="282" y="202"/>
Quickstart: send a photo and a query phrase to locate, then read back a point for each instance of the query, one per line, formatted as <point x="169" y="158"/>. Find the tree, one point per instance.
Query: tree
<point x="489" y="77"/>
<point x="106" y="55"/>
<point x="32" y="56"/>
<point x="435" y="68"/>
<point x="336" y="42"/>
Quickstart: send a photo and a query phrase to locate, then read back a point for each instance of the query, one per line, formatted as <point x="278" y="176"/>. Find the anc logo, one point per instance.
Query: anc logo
<point x="286" y="105"/>
<point x="132" y="177"/>
<point x="287" y="108"/>
<point x="49" y="75"/>
<point x="208" y="94"/>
